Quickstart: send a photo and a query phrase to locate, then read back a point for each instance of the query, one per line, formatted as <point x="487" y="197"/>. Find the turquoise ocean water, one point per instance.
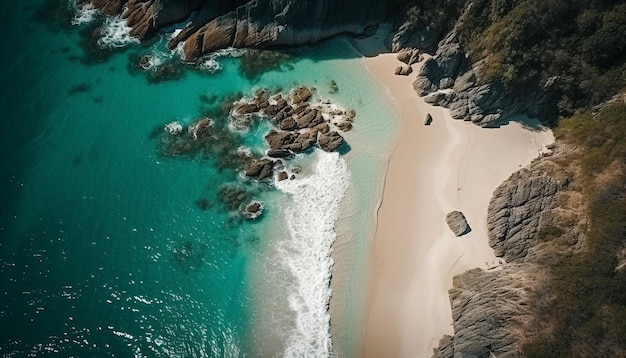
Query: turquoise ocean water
<point x="109" y="248"/>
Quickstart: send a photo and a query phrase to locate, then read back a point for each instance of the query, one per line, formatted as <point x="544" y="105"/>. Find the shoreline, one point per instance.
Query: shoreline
<point x="449" y="165"/>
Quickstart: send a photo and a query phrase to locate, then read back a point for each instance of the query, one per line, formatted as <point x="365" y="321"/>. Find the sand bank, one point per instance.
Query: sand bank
<point x="449" y="165"/>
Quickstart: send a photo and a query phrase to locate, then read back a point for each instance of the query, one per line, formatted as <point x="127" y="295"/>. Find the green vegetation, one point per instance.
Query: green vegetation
<point x="580" y="44"/>
<point x="590" y="306"/>
<point x="577" y="48"/>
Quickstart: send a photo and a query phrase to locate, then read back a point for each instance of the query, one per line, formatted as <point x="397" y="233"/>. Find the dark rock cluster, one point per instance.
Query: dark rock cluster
<point x="301" y="125"/>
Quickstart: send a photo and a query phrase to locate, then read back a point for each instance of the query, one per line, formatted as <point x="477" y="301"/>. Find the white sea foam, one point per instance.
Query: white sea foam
<point x="174" y="128"/>
<point x="210" y="62"/>
<point x="210" y="65"/>
<point x="85" y="14"/>
<point x="311" y="220"/>
<point x="115" y="32"/>
<point x="152" y="61"/>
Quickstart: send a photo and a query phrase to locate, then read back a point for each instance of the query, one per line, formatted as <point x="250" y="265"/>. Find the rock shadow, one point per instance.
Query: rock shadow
<point x="531" y="124"/>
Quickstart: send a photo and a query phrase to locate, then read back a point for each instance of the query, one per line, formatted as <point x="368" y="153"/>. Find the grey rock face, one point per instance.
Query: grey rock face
<point x="408" y="55"/>
<point x="457" y="223"/>
<point x="330" y="141"/>
<point x="495" y="311"/>
<point x="515" y="213"/>
<point x="484" y="306"/>
<point x="415" y="35"/>
<point x="260" y="169"/>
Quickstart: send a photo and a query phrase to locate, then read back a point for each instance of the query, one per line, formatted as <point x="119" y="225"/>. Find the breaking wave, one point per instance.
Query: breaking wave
<point x="311" y="220"/>
<point x="85" y="14"/>
<point x="115" y="32"/>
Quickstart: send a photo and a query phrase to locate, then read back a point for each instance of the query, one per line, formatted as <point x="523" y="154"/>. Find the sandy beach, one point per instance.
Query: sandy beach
<point x="448" y="165"/>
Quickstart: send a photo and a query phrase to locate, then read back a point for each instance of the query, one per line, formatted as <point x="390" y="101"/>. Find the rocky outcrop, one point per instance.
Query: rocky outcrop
<point x="403" y="70"/>
<point x="409" y="55"/>
<point x="457" y="223"/>
<point x="415" y="35"/>
<point x="450" y="80"/>
<point x="330" y="141"/>
<point x="485" y="304"/>
<point x="253" y="23"/>
<point x="253" y="210"/>
<point x="516" y="211"/>
<point x="260" y="169"/>
<point x="301" y="123"/>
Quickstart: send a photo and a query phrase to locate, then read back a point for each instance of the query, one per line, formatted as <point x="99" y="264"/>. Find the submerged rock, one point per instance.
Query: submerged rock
<point x="252" y="210"/>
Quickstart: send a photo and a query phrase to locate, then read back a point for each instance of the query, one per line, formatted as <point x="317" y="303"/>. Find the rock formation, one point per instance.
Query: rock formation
<point x="428" y="120"/>
<point x="516" y="212"/>
<point x="301" y="124"/>
<point x="260" y="169"/>
<point x="496" y="311"/>
<point x="457" y="223"/>
<point x="403" y="70"/>
<point x="254" y="23"/>
<point x="253" y="210"/>
<point x="485" y="304"/>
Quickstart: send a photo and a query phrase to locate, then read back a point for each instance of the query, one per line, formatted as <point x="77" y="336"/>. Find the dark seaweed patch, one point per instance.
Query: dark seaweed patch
<point x="253" y="63"/>
<point x="189" y="256"/>
<point x="57" y="15"/>
<point x="79" y="88"/>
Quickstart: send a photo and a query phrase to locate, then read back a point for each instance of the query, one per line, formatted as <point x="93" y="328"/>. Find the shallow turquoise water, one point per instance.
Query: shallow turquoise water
<point x="103" y="249"/>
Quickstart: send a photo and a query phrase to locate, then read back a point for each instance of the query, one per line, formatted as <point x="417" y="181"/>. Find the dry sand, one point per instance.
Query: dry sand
<point x="449" y="165"/>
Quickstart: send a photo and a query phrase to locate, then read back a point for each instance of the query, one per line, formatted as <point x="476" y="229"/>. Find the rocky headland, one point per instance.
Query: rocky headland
<point x="534" y="217"/>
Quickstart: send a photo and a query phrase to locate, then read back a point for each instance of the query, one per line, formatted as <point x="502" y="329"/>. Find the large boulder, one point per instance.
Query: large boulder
<point x="457" y="223"/>
<point x="408" y="55"/>
<point x="293" y="141"/>
<point x="260" y="169"/>
<point x="404" y="70"/>
<point x="515" y="213"/>
<point x="247" y="108"/>
<point x="288" y="124"/>
<point x="300" y="94"/>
